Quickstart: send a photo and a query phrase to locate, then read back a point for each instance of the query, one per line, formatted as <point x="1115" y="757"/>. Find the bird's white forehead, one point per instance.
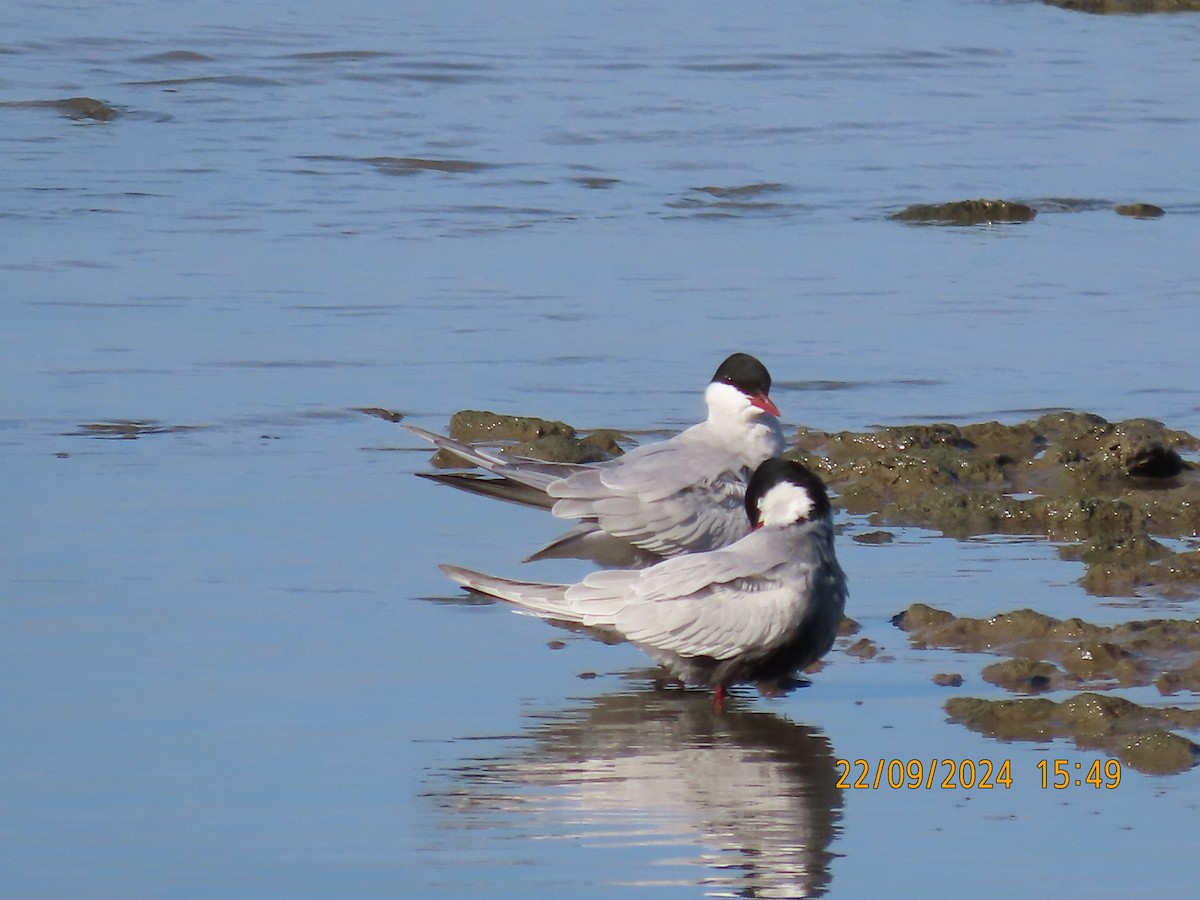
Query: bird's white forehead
<point x="784" y="504"/>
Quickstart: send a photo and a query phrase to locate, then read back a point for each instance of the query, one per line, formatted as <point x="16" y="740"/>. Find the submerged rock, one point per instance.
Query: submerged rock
<point x="1140" y="210"/>
<point x="967" y="212"/>
<point x="1110" y="7"/>
<point x="388" y="415"/>
<point x="71" y="107"/>
<point x="129" y="429"/>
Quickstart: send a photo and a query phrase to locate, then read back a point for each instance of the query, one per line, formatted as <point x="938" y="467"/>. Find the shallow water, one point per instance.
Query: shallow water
<point x="230" y="664"/>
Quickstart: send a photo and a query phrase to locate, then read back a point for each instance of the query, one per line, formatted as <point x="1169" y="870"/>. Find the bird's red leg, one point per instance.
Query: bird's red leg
<point x="719" y="698"/>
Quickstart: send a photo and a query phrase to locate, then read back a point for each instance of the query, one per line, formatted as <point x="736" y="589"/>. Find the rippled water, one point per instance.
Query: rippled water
<point x="230" y="665"/>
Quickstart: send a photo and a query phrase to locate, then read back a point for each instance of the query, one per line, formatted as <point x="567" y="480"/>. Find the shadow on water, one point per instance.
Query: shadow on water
<point x="744" y="802"/>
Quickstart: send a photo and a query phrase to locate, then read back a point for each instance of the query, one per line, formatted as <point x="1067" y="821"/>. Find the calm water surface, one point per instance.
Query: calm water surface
<point x="230" y="665"/>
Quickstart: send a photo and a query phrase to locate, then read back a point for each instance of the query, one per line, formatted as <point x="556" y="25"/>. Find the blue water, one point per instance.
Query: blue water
<point x="230" y="666"/>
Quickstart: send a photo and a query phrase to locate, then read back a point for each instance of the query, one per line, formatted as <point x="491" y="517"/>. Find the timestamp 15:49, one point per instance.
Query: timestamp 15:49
<point x="1059" y="773"/>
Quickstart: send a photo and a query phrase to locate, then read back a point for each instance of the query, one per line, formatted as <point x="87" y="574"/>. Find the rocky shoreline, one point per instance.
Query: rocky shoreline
<point x="1120" y="497"/>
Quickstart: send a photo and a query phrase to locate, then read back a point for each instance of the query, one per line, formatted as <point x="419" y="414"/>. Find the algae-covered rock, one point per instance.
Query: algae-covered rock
<point x="967" y="212"/>
<point x="1135" y="734"/>
<point x="558" y="448"/>
<point x="1067" y="476"/>
<point x="1093" y="449"/>
<point x="480" y="425"/>
<point x="528" y="437"/>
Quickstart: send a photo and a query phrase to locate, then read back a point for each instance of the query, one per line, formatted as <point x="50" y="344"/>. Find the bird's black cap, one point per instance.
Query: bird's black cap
<point x="745" y="373"/>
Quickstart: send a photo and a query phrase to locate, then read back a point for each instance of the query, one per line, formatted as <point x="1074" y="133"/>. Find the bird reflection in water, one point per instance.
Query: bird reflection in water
<point x="756" y="793"/>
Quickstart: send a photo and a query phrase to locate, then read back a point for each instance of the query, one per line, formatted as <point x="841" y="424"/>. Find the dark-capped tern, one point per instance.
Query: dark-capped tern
<point x="681" y="495"/>
<point x="757" y="610"/>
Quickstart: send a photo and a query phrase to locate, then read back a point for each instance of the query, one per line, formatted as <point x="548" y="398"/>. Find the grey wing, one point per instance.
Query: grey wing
<point x="651" y="472"/>
<point x="708" y="604"/>
<point x="721" y="621"/>
<point x="667" y="500"/>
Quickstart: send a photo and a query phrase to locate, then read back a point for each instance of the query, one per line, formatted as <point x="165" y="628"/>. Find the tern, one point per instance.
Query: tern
<point x="681" y="495"/>
<point x="758" y="610"/>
